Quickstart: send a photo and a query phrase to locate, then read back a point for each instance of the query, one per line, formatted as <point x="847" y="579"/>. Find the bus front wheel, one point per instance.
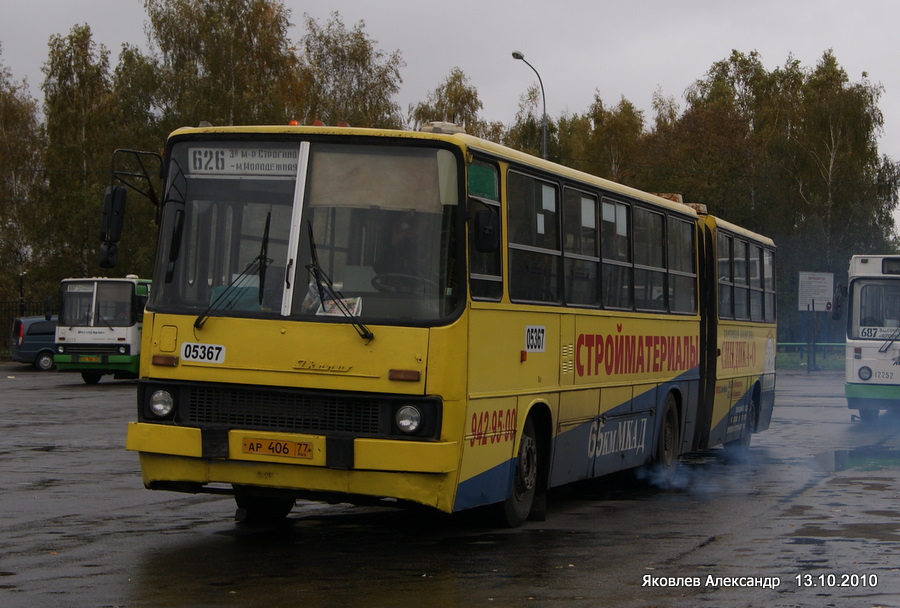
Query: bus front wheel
<point x="521" y="498"/>
<point x="255" y="509"/>
<point x="91" y="377"/>
<point x="868" y="415"/>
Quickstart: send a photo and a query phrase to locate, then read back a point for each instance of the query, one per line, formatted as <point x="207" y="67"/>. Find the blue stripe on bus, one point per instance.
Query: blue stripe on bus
<point x="730" y="426"/>
<point x="571" y="449"/>
<point x="485" y="488"/>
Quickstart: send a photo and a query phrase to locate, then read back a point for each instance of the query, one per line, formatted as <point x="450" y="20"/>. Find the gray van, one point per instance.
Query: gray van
<point x="33" y="340"/>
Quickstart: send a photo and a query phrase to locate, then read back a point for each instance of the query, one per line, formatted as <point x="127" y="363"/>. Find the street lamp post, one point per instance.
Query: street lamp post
<point x="521" y="57"/>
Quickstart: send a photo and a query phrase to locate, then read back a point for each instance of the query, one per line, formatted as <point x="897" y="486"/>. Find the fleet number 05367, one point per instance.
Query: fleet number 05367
<point x="204" y="353"/>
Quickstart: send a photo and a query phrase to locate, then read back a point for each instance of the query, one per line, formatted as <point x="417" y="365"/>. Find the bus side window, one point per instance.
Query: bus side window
<point x="581" y="239"/>
<point x="615" y="245"/>
<point x="769" y="284"/>
<point x="534" y="252"/>
<point x="756" y="283"/>
<point x="682" y="274"/>
<point x="140" y="302"/>
<point x="741" y="292"/>
<point x="485" y="260"/>
<point x="649" y="260"/>
<point x="485" y="272"/>
<point x="726" y="286"/>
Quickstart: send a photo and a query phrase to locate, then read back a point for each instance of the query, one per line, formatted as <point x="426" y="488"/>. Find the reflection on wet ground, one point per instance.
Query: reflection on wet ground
<point x="873" y="458"/>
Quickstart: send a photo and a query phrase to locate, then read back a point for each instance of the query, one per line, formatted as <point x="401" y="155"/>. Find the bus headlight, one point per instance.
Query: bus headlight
<point x="408" y="418"/>
<point x="162" y="404"/>
<point x="864" y="372"/>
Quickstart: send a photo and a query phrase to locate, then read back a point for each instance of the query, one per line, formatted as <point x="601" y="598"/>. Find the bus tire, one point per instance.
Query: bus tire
<point x="667" y="445"/>
<point x="91" y="377"/>
<point x="868" y="416"/>
<point x="521" y="498"/>
<point x="257" y="509"/>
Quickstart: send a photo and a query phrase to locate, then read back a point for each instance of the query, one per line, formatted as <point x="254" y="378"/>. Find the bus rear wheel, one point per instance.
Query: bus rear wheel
<point x="521" y="498"/>
<point x="667" y="445"/>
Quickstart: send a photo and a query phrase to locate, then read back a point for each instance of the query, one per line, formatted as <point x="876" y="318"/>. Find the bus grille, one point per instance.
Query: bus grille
<point x="288" y="412"/>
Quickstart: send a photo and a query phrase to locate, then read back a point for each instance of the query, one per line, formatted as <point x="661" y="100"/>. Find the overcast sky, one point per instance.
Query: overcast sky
<point x="580" y="47"/>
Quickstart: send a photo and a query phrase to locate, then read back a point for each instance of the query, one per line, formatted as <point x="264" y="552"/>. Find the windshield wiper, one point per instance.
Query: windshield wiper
<point x="891" y="339"/>
<point x="231" y="295"/>
<point x="325" y="287"/>
<point x="94" y="318"/>
<point x="100" y="317"/>
<point x="263" y="259"/>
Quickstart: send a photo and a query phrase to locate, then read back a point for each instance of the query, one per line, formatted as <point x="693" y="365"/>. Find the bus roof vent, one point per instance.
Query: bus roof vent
<point x="675" y="198"/>
<point x="441" y="127"/>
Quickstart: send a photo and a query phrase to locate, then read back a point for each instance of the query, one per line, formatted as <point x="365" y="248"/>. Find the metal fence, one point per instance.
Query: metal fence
<point x="13" y="309"/>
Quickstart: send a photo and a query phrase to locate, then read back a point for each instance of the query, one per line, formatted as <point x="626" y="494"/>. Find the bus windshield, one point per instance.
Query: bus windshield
<point x="112" y="307"/>
<point x="310" y="230"/>
<point x="876" y="312"/>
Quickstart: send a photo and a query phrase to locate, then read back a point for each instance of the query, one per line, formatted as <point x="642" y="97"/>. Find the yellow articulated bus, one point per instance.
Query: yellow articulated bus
<point x="428" y="317"/>
<point x="738" y="332"/>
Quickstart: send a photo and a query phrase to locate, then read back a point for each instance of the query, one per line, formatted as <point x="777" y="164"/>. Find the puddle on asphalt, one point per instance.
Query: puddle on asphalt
<point x="866" y="458"/>
<point x="812" y="534"/>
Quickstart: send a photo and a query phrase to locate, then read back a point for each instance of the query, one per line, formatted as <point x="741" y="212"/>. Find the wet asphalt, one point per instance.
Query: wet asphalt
<point x="810" y="518"/>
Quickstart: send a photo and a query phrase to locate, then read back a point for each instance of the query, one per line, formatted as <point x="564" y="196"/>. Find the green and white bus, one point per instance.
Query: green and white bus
<point x="99" y="329"/>
<point x="873" y="335"/>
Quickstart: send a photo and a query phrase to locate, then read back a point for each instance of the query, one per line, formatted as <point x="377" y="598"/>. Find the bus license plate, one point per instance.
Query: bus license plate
<point x="272" y="447"/>
<point x="88" y="359"/>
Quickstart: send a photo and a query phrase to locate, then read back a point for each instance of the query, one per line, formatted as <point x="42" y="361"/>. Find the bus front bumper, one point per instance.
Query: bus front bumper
<point x="421" y="472"/>
<point x="872" y="396"/>
<point x="101" y="362"/>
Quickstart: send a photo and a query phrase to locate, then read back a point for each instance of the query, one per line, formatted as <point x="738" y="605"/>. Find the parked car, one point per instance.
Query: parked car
<point x="33" y="340"/>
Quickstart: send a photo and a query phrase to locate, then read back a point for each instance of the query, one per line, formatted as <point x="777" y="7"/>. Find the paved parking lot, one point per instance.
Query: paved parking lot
<point x="814" y="508"/>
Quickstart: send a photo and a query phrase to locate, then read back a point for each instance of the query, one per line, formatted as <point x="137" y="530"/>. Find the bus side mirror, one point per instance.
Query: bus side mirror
<point x="109" y="255"/>
<point x="837" y="311"/>
<point x="487" y="231"/>
<point x="112" y="215"/>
